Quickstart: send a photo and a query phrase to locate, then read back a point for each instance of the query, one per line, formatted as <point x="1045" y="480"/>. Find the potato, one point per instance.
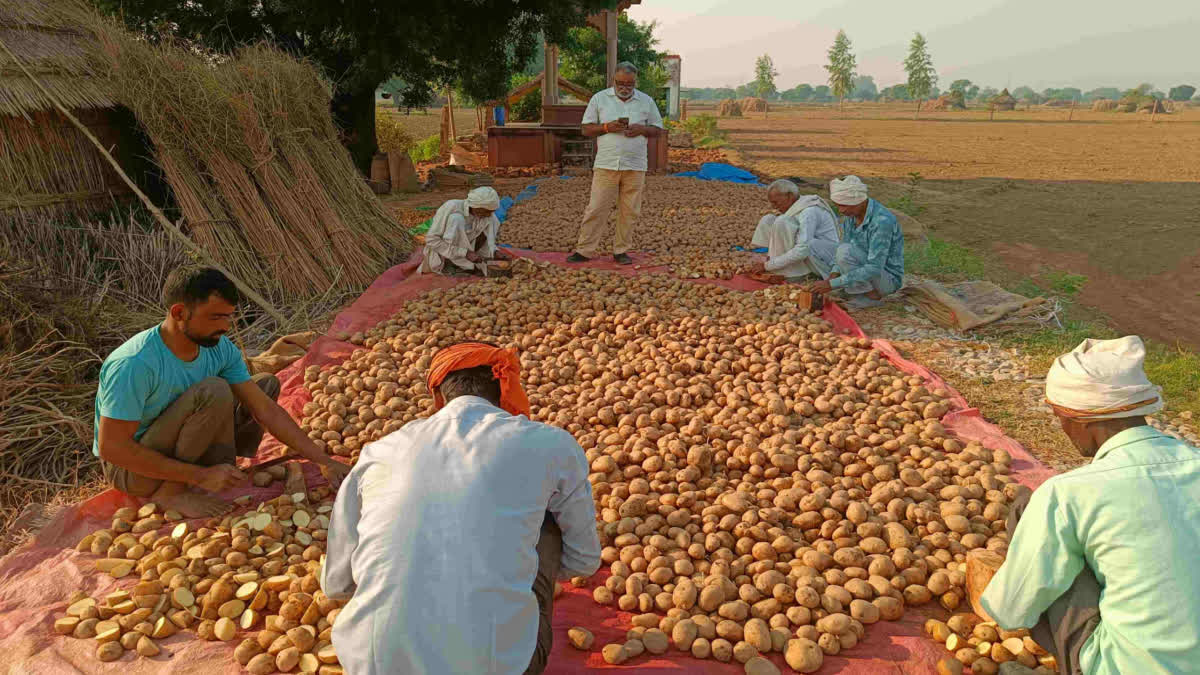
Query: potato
<point x="984" y="666"/>
<point x="758" y="635"/>
<point x="147" y="647"/>
<point x="614" y="654"/>
<point x="701" y="648"/>
<point x="287" y="660"/>
<point x="803" y="656"/>
<point x="246" y="650"/>
<point x="722" y="650"/>
<point x="949" y="666"/>
<point x="580" y="638"/>
<point x="109" y="651"/>
<point x="684" y="634"/>
<point x="262" y="664"/>
<point x="744" y="651"/>
<point x="66" y="625"/>
<point x="760" y="666"/>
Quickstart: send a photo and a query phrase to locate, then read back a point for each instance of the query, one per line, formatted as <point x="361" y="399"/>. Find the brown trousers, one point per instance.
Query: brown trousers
<point x="1071" y="619"/>
<point x="624" y="188"/>
<point x="549" y="549"/>
<point x="205" y="426"/>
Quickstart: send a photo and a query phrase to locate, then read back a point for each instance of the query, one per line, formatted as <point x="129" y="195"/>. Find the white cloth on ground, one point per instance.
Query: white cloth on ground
<point x="1101" y="375"/>
<point x="848" y="191"/>
<point x="433" y="539"/>
<point x="803" y="240"/>
<point x="453" y="233"/>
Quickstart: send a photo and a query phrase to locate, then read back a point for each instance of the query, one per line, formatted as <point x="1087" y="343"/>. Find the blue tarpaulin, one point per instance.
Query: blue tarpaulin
<point x="722" y="172"/>
<point x="506" y="203"/>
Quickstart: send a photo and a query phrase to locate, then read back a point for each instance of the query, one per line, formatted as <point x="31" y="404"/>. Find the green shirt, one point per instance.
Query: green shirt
<point x="143" y="376"/>
<point x="1133" y="517"/>
<point x="881" y="238"/>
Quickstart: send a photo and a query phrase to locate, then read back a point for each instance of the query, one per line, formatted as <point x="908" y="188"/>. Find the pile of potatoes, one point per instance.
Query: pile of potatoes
<point x="982" y="646"/>
<point x="762" y="484"/>
<point x="677" y="214"/>
<point x="255" y="574"/>
<point x="707" y="265"/>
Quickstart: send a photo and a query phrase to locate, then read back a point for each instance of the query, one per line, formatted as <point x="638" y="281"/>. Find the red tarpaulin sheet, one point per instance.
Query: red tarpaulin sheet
<point x="35" y="580"/>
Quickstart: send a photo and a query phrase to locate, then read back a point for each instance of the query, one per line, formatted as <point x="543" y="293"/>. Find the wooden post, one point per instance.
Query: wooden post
<point x="610" y="24"/>
<point x="450" y="105"/>
<point x="1071" y="115"/>
<point x="992" y="112"/>
<point x="550" y="76"/>
<point x="683" y="110"/>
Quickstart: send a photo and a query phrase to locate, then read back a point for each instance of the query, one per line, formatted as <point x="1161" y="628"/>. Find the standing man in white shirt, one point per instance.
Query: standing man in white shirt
<point x="449" y="534"/>
<point x="622" y="118"/>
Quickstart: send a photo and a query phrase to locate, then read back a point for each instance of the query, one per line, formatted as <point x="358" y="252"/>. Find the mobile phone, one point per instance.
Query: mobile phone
<point x="623" y="120"/>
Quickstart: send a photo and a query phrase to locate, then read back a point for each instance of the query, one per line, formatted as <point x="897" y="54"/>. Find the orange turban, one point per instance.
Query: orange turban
<point x="505" y="367"/>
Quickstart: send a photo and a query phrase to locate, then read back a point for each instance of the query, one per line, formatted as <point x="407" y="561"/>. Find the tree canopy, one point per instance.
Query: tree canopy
<point x="922" y="76"/>
<point x="841" y="67"/>
<point x="1183" y="92"/>
<point x="799" y="93"/>
<point x="864" y="88"/>
<point x="583" y="56"/>
<point x="764" y="77"/>
<point x="477" y="45"/>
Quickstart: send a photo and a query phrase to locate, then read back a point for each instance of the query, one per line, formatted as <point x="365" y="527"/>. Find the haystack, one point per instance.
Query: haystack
<point x="1150" y="104"/>
<point x="948" y="102"/>
<point x="1104" y="105"/>
<point x="1004" y="101"/>
<point x="753" y="104"/>
<point x="729" y="108"/>
<point x="47" y="167"/>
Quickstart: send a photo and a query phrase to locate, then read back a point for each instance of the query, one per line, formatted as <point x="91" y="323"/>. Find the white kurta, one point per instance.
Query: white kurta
<point x="453" y="234"/>
<point x="802" y="241"/>
<point x="434" y="534"/>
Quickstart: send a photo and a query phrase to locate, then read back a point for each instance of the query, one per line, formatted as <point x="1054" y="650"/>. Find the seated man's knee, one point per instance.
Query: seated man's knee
<point x="844" y="253"/>
<point x="214" y="392"/>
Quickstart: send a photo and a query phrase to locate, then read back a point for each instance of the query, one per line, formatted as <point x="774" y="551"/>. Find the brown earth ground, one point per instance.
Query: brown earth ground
<point x="1114" y="197"/>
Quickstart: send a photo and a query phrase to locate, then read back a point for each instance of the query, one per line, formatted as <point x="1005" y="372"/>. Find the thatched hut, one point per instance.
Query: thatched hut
<point x="729" y="108"/>
<point x="1150" y="104"/>
<point x="753" y="104"/>
<point x="46" y="165"/>
<point x="1104" y="105"/>
<point x="1004" y="101"/>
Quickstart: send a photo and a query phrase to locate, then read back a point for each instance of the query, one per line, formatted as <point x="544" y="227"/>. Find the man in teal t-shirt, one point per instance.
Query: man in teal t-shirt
<point x="176" y="405"/>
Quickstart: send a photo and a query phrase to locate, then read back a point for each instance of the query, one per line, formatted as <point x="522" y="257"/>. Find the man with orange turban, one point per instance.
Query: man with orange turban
<point x="449" y="534"/>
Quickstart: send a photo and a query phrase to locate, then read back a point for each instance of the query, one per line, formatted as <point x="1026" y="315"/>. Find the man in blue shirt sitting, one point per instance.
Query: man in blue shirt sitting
<point x="176" y="405"/>
<point x="870" y="260"/>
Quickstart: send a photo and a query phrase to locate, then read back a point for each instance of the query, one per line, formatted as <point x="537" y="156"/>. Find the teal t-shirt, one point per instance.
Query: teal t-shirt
<point x="143" y="376"/>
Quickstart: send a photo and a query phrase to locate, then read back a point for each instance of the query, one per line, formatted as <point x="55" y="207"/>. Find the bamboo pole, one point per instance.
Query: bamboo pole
<point x="172" y="229"/>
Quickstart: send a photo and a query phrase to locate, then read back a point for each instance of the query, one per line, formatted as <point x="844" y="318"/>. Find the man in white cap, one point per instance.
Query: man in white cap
<point x="462" y="236"/>
<point x="802" y="238"/>
<point x="1103" y="564"/>
<point x="870" y="260"/>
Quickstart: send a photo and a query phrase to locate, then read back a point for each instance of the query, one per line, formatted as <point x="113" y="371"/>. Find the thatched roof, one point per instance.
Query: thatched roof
<point x="53" y="41"/>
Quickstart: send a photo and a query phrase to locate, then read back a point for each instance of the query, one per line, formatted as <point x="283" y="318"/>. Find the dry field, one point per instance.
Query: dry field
<point x="1109" y="196"/>
<point x="423" y="125"/>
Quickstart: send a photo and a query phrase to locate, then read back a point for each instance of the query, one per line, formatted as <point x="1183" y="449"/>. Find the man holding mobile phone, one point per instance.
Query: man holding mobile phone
<point x="621" y="119"/>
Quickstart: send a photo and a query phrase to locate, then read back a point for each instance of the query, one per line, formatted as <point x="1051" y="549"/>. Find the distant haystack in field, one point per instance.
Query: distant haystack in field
<point x="1058" y="103"/>
<point x="47" y="167"/>
<point x="948" y="102"/>
<point x="1004" y="101"/>
<point x="1104" y="105"/>
<point x="1150" y="104"/>
<point x="729" y="108"/>
<point x="753" y="104"/>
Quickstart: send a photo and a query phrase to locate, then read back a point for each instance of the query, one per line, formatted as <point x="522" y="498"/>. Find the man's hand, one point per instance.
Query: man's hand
<point x="473" y="256"/>
<point x="615" y="127"/>
<point x="220" y="478"/>
<point x="637" y="130"/>
<point x="822" y="287"/>
<point x="335" y="472"/>
<point x="757" y="267"/>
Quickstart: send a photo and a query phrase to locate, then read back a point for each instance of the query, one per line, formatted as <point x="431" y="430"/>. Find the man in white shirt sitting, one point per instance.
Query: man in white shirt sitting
<point x="621" y="119"/>
<point x="802" y="240"/>
<point x="462" y="235"/>
<point x="449" y="534"/>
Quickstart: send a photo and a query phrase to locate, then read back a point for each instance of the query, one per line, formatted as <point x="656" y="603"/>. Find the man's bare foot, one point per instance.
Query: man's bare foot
<point x="194" y="504"/>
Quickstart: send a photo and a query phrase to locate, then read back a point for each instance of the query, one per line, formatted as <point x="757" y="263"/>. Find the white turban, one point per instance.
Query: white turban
<point x="1103" y="379"/>
<point x="483" y="198"/>
<point x="848" y="191"/>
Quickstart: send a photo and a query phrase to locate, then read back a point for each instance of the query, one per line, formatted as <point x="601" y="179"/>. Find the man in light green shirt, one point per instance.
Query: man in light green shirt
<point x="1104" y="565"/>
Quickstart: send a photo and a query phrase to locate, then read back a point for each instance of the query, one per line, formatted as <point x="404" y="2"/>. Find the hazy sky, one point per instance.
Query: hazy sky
<point x="1040" y="43"/>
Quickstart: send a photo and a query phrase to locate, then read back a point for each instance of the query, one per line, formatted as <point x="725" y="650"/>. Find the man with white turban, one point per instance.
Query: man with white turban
<point x="1103" y="565"/>
<point x="870" y="260"/>
<point x="801" y="239"/>
<point x="462" y="236"/>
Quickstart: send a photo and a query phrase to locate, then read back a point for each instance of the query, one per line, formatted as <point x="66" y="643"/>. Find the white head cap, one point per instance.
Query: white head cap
<point x="483" y="198"/>
<point x="1103" y="379"/>
<point x="848" y="191"/>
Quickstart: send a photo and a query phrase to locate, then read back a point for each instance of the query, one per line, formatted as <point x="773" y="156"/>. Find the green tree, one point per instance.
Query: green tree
<point x="1183" y="92"/>
<point x="799" y="93"/>
<point x="764" y="77"/>
<point x="1141" y="91"/>
<point x="960" y="86"/>
<point x="822" y="94"/>
<point x="582" y="56"/>
<point x="841" y="68"/>
<point x="922" y="76"/>
<point x="986" y="93"/>
<point x="864" y="88"/>
<point x="1103" y="92"/>
<point x="360" y="44"/>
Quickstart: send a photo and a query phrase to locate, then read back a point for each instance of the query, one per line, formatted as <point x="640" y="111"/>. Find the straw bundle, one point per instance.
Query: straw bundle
<point x="729" y="108"/>
<point x="1104" y="105"/>
<point x="753" y="104"/>
<point x="251" y="151"/>
<point x="948" y="102"/>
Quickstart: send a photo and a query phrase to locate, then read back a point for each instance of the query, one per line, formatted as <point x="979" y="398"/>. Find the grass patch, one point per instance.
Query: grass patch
<point x="1065" y="283"/>
<point x="426" y="149"/>
<point x="943" y="260"/>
